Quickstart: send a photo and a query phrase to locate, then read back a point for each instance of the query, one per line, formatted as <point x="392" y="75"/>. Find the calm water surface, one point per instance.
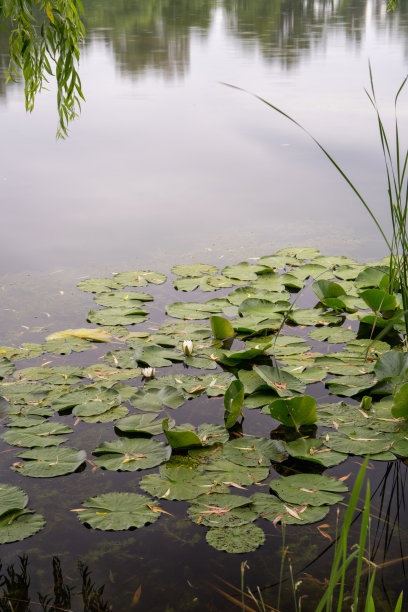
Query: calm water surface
<point x="166" y="165"/>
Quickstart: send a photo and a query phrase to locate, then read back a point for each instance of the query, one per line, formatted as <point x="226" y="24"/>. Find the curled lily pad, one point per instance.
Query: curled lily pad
<point x="49" y="462"/>
<point x="309" y="489"/>
<point x="128" y="455"/>
<point x="184" y="436"/>
<point x="233" y="403"/>
<point x="222" y="510"/>
<point x="11" y="498"/>
<point x="294" y="411"/>
<point x="250" y="451"/>
<point x="273" y="509"/>
<point x="243" y="539"/>
<point x="6" y="367"/>
<point x="281" y="382"/>
<point x="118" y="511"/>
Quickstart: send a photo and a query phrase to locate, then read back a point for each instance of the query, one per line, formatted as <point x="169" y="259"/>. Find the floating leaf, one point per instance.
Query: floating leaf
<point x="128" y="455"/>
<point x="242" y="271"/>
<point x="113" y="414"/>
<point x="309" y="489"/>
<point x="273" y="509"/>
<point x="250" y="451"/>
<point x="143" y="424"/>
<point x="6" y="367"/>
<point x="232" y="474"/>
<point x="96" y="335"/>
<point x="117" y="315"/>
<point x="45" y="434"/>
<point x="49" y="462"/>
<point x="138" y="278"/>
<point x="153" y="400"/>
<point x="96" y="285"/>
<point x="312" y="316"/>
<point x="178" y="483"/>
<point x="333" y="334"/>
<point x="361" y="442"/>
<point x="118" y="511"/>
<point x="310" y="449"/>
<point x="82" y="395"/>
<point x="236" y="539"/>
<point x="19" y="525"/>
<point x="122" y="298"/>
<point x="184" y="436"/>
<point x="222" y="510"/>
<point x="194" y="270"/>
<point x="278" y="380"/>
<point x="400" y="402"/>
<point x="11" y="498"/>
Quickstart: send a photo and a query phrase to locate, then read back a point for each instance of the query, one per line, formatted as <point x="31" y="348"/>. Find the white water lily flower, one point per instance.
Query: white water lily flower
<point x="148" y="372"/>
<point x="187" y="347"/>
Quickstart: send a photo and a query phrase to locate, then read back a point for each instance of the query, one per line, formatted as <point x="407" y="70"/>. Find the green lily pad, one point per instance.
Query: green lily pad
<point x="156" y="356"/>
<point x="273" y="509"/>
<point x="194" y="270"/>
<point x="49" y="462"/>
<point x="23" y="421"/>
<point x="216" y="384"/>
<point x="278" y="380"/>
<point x="153" y="400"/>
<point x="312" y="316"/>
<point x="113" y="414"/>
<point x="93" y="407"/>
<point x="351" y="385"/>
<point x="122" y="298"/>
<point x="178" y="483"/>
<point x="232" y="474"/>
<point x="26" y="351"/>
<point x="82" y="395"/>
<point x="138" y="278"/>
<point x="360" y="442"/>
<point x="66" y="346"/>
<point x="184" y="436"/>
<point x="45" y="434"/>
<point x="184" y="330"/>
<point x="118" y="511"/>
<point x="11" y="498"/>
<point x="221" y="327"/>
<point x="370" y="277"/>
<point x="97" y="285"/>
<point x="294" y="411"/>
<point x="242" y="271"/>
<point x="309" y="489"/>
<point x="128" y="455"/>
<point x="6" y="367"/>
<point x="60" y="375"/>
<point x="400" y="402"/>
<point x="246" y="538"/>
<point x="143" y="424"/>
<point x="250" y="451"/>
<point x="309" y="449"/>
<point x="187" y="284"/>
<point x="333" y="334"/>
<point x="222" y="510"/>
<point x="19" y="525"/>
<point x="117" y="315"/>
<point x="195" y="310"/>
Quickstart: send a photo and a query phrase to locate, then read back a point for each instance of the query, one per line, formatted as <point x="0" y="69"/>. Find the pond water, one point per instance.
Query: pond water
<point x="167" y="165"/>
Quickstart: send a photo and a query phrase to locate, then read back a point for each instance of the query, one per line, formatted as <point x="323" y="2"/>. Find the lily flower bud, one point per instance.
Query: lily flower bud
<point x="148" y="372"/>
<point x="187" y="347"/>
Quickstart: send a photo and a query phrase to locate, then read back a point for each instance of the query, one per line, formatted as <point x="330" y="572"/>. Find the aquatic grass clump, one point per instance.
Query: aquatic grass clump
<point x="397" y="187"/>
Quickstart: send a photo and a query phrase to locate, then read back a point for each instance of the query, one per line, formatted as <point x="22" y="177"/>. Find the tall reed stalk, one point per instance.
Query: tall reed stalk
<point x="397" y="186"/>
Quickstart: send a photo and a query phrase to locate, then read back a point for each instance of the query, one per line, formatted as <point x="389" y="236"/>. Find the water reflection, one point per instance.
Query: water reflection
<point x="155" y="36"/>
<point x="15" y="582"/>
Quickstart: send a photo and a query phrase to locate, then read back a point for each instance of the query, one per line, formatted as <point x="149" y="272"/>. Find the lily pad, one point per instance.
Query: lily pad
<point x="178" y="483"/>
<point x="233" y="403"/>
<point x="194" y="270"/>
<point x="250" y="451"/>
<point x="19" y="525"/>
<point x="153" y="400"/>
<point x="6" y="367"/>
<point x="273" y="509"/>
<point x="244" y="539"/>
<point x="333" y="334"/>
<point x="113" y="414"/>
<point x="313" y="316"/>
<point x="44" y="434"/>
<point x="96" y="285"/>
<point x="359" y="442"/>
<point x="242" y="271"/>
<point x="128" y="455"/>
<point x="309" y="449"/>
<point x="280" y="381"/>
<point x="309" y="489"/>
<point x="118" y="315"/>
<point x="222" y="510"/>
<point x="95" y="335"/>
<point x="122" y="298"/>
<point x="143" y="424"/>
<point x="139" y="278"/>
<point x="118" y="511"/>
<point x="11" y="498"/>
<point x="184" y="436"/>
<point x="232" y="474"/>
<point x="49" y="462"/>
